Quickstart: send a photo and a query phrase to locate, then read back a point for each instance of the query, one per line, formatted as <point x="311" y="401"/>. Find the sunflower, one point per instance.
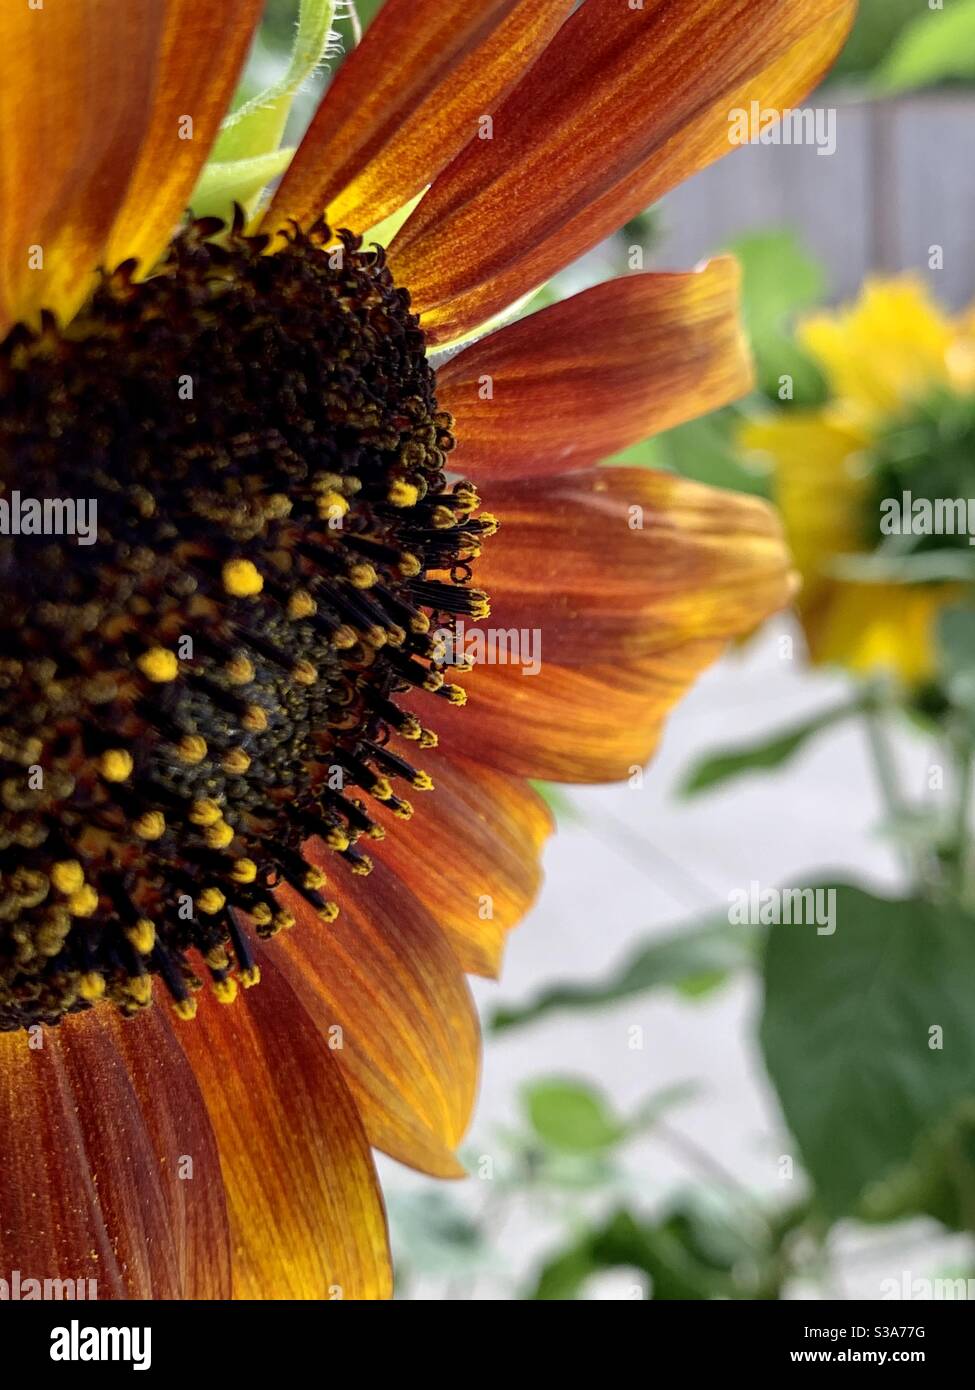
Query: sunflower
<point x="898" y="429"/>
<point x="232" y="754"/>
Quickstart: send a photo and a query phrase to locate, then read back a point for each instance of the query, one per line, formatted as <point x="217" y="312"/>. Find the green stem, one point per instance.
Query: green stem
<point x="963" y="753"/>
<point x="885" y="768"/>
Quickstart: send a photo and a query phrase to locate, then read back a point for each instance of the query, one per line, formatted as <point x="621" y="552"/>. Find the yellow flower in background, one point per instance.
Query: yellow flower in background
<point x="898" y="423"/>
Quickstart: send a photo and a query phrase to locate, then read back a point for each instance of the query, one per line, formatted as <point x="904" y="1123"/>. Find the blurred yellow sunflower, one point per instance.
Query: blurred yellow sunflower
<point x="897" y="431"/>
<point x="210" y="714"/>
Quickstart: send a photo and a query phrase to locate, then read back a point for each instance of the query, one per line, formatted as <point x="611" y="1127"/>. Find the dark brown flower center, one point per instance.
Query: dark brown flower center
<point x="212" y="681"/>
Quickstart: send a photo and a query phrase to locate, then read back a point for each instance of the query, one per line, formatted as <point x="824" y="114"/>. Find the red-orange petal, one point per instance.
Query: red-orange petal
<point x="472" y="851"/>
<point x="74" y="107"/>
<point x="573" y="724"/>
<point x="616" y="564"/>
<point x="306" y="1216"/>
<point x="581" y="380"/>
<point x="203" y="49"/>
<point x="97" y="1126"/>
<point x="406" y="100"/>
<point x="409" y="1045"/>
<point x="622" y="105"/>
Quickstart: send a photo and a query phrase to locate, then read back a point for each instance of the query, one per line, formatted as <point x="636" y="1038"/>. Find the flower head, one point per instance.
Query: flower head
<point x="856" y="478"/>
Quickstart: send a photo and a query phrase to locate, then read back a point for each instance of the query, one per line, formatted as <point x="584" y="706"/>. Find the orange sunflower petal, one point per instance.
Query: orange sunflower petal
<point x="622" y="105"/>
<point x="74" y="107"/>
<point x="406" y="100"/>
<point x="579" y="381"/>
<point x="615" y="564"/>
<point x="97" y="1125"/>
<point x="203" y="49"/>
<point x="409" y="1044"/>
<point x="306" y="1216"/>
<point x="472" y="851"/>
<point x="574" y="724"/>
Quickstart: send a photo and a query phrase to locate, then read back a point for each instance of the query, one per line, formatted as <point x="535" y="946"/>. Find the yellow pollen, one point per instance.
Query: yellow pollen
<point x="205" y="812"/>
<point x="219" y="836"/>
<point x="428" y="739"/>
<point x="142" y="935"/>
<point x="331" y="506"/>
<point x="250" y="977"/>
<point x="329" y="912"/>
<point x="151" y="826"/>
<point x="363" y="576"/>
<point x="236" y="762"/>
<point x="301" y="605"/>
<point x="456" y="694"/>
<point x="240" y="671"/>
<point x="423" y="782"/>
<point x="403" y="494"/>
<point x="481" y="608"/>
<point x="192" y="750"/>
<point x="262" y="914"/>
<point x="242" y="579"/>
<point x="185" y="1009"/>
<point x="140" y="989"/>
<point x="67" y="876"/>
<point x="211" y="901"/>
<point x="382" y="789"/>
<point x="254" y="719"/>
<point x="409" y="566"/>
<point x="337" y="838"/>
<point x="283" y="920"/>
<point x="442" y="518"/>
<point x="304" y="673"/>
<point x="244" y="871"/>
<point x="91" y="987"/>
<point x="84" y="902"/>
<point x="115" y="765"/>
<point x="362" y="867"/>
<point x="158" y="665"/>
<point x="314" y="880"/>
<point x="403" y="811"/>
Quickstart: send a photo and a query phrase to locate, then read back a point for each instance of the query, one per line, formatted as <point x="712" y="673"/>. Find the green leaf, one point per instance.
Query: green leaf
<point x="891" y="566"/>
<point x="571" y="1116"/>
<point x="938" y="46"/>
<point x="764" y="754"/>
<point x="877" y="25"/>
<point x="257" y="127"/>
<point x="236" y="181"/>
<point x="695" y="956"/>
<point x="433" y="1234"/>
<point x="780" y="280"/>
<point x="555" y="798"/>
<point x="665" y="1252"/>
<point x="845" y="1033"/>
<point x="939" y="1181"/>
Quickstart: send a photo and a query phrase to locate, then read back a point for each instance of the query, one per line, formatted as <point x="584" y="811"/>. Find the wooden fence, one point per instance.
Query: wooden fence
<point x="902" y="179"/>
